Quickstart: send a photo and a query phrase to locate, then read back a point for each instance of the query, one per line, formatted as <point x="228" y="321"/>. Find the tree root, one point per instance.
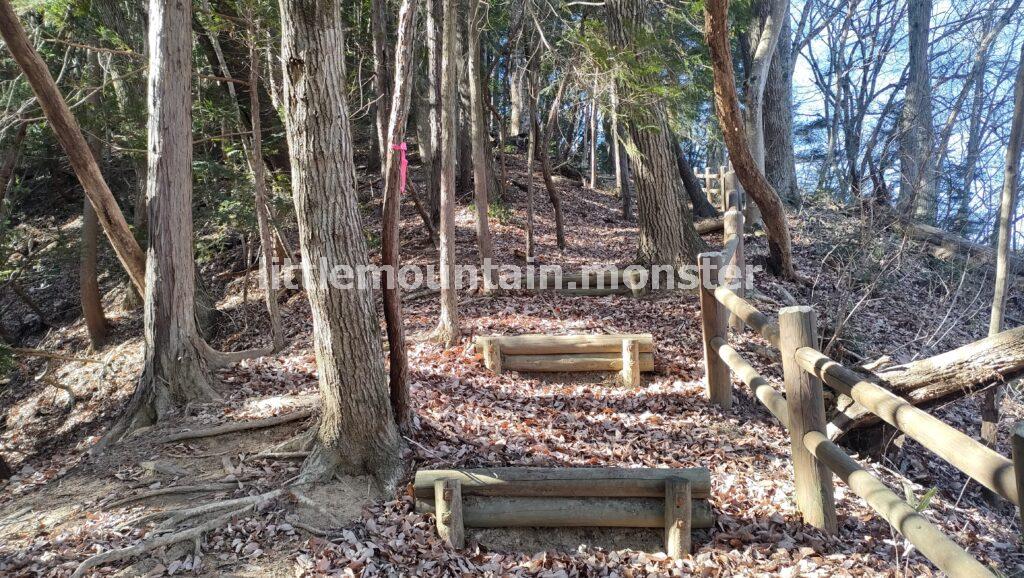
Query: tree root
<point x="195" y="534"/>
<point x="172" y="490"/>
<point x="175" y="517"/>
<point x="302" y="442"/>
<point x="237" y="427"/>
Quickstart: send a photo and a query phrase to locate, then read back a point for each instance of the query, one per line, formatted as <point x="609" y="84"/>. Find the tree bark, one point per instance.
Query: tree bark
<point x="768" y="31"/>
<point x="702" y="209"/>
<point x="531" y="153"/>
<point x="917" y="164"/>
<point x="481" y="146"/>
<point x="89" y="287"/>
<point x="434" y="58"/>
<point x="780" y="160"/>
<point x="69" y="134"/>
<point x="447" y="331"/>
<point x="545" y="163"/>
<point x="357" y="432"/>
<point x="954" y="374"/>
<point x="716" y="30"/>
<point x="593" y="136"/>
<point x="1007" y="209"/>
<point x="393" y="186"/>
<point x="621" y="164"/>
<point x="667" y="234"/>
<point x="381" y="73"/>
<point x="175" y="370"/>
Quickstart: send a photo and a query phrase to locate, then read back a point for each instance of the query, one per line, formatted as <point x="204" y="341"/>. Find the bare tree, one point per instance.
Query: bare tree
<point x="481" y="147"/>
<point x="447" y="331"/>
<point x="917" y="165"/>
<point x="1007" y="209"/>
<point x="393" y="185"/>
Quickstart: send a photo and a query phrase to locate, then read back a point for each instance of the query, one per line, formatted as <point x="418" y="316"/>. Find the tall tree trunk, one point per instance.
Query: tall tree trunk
<point x="481" y="145"/>
<point x="447" y="331"/>
<point x="1007" y="209"/>
<point x="545" y="163"/>
<point x="531" y="153"/>
<point x="175" y="370"/>
<point x="517" y="95"/>
<point x="780" y="159"/>
<point x="262" y="199"/>
<point x="667" y="234"/>
<point x="69" y="134"/>
<point x="716" y="18"/>
<point x="89" y="287"/>
<point x="393" y="188"/>
<point x="621" y="164"/>
<point x="381" y="72"/>
<point x="593" y="137"/>
<point x="464" y="117"/>
<point x="357" y="432"/>
<point x="917" y="164"/>
<point x="434" y="59"/>
<point x="768" y="30"/>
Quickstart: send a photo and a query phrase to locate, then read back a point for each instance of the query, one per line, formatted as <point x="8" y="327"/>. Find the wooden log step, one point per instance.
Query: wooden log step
<point x="565" y="482"/>
<point x="496" y="512"/>
<point x="572" y="362"/>
<point x="555" y="344"/>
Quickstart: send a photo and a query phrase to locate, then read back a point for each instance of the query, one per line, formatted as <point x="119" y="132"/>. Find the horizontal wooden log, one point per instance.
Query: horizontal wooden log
<point x="565" y="482"/>
<point x="950" y="245"/>
<point x="929" y="540"/>
<point x="759" y="386"/>
<point x="496" y="512"/>
<point x="554" y="344"/>
<point x="749" y="314"/>
<point x="709" y="226"/>
<point x="971" y="457"/>
<point x="571" y="362"/>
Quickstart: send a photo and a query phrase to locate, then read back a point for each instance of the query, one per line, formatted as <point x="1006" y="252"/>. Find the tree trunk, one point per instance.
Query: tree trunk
<point x="393" y="188"/>
<point x="702" y="209"/>
<point x="464" y="120"/>
<point x="716" y="30"/>
<point x="434" y="59"/>
<point x="1007" y="209"/>
<point x="262" y="199"/>
<point x="768" y="29"/>
<point x="381" y="72"/>
<point x="69" y="134"/>
<point x="89" y="287"/>
<point x="481" y="145"/>
<point x="531" y="153"/>
<point x="175" y="371"/>
<point x="667" y="235"/>
<point x="357" y="432"/>
<point x="780" y="160"/>
<point x="621" y="165"/>
<point x="545" y="163"/>
<point x="593" y="137"/>
<point x="954" y="374"/>
<point x="917" y="164"/>
<point x="447" y="331"/>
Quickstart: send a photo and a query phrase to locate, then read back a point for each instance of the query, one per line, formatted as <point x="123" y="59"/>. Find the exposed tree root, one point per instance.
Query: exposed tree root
<point x="303" y="442"/>
<point x="172" y="490"/>
<point x="237" y="427"/>
<point x="283" y="455"/>
<point x="175" y="517"/>
<point x="194" y="534"/>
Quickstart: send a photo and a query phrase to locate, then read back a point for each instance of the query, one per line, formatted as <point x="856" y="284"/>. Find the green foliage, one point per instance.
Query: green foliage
<point x="499" y="210"/>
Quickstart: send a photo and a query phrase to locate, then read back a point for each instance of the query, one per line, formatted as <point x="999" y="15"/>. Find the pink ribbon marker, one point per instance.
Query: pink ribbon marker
<point x="403" y="167"/>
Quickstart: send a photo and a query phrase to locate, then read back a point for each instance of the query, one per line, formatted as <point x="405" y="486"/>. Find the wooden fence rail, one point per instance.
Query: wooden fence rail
<point x="801" y="411"/>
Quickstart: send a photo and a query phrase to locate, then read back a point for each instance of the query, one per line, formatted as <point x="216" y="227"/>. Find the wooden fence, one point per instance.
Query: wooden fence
<point x="801" y="410"/>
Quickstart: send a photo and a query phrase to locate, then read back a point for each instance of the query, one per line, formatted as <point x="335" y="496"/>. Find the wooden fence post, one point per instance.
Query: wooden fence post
<point x="713" y="320"/>
<point x="813" y="480"/>
<point x="492" y="355"/>
<point x="733" y="227"/>
<point x="678" y="517"/>
<point x="448" y="512"/>
<point x="722" y="191"/>
<point x="1018" y="463"/>
<point x="629" y="376"/>
<point x="707" y="184"/>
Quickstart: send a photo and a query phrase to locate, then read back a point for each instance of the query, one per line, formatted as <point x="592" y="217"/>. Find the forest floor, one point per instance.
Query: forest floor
<point x="885" y="294"/>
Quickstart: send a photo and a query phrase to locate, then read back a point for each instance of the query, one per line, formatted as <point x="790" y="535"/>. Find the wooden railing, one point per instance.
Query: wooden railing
<point x="801" y="411"/>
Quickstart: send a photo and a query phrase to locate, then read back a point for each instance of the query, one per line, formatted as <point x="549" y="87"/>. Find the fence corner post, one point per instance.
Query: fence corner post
<point x="736" y="266"/>
<point x="813" y="480"/>
<point x="713" y="321"/>
<point x="678" y="517"/>
<point x="1018" y="463"/>
<point x="448" y="511"/>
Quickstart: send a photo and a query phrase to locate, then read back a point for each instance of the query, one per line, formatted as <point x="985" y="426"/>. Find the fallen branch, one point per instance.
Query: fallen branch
<point x="194" y="533"/>
<point x="172" y="490"/>
<point x="237" y="427"/>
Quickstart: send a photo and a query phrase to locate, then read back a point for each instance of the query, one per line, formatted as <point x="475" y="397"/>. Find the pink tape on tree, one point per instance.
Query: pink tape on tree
<point x="403" y="166"/>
